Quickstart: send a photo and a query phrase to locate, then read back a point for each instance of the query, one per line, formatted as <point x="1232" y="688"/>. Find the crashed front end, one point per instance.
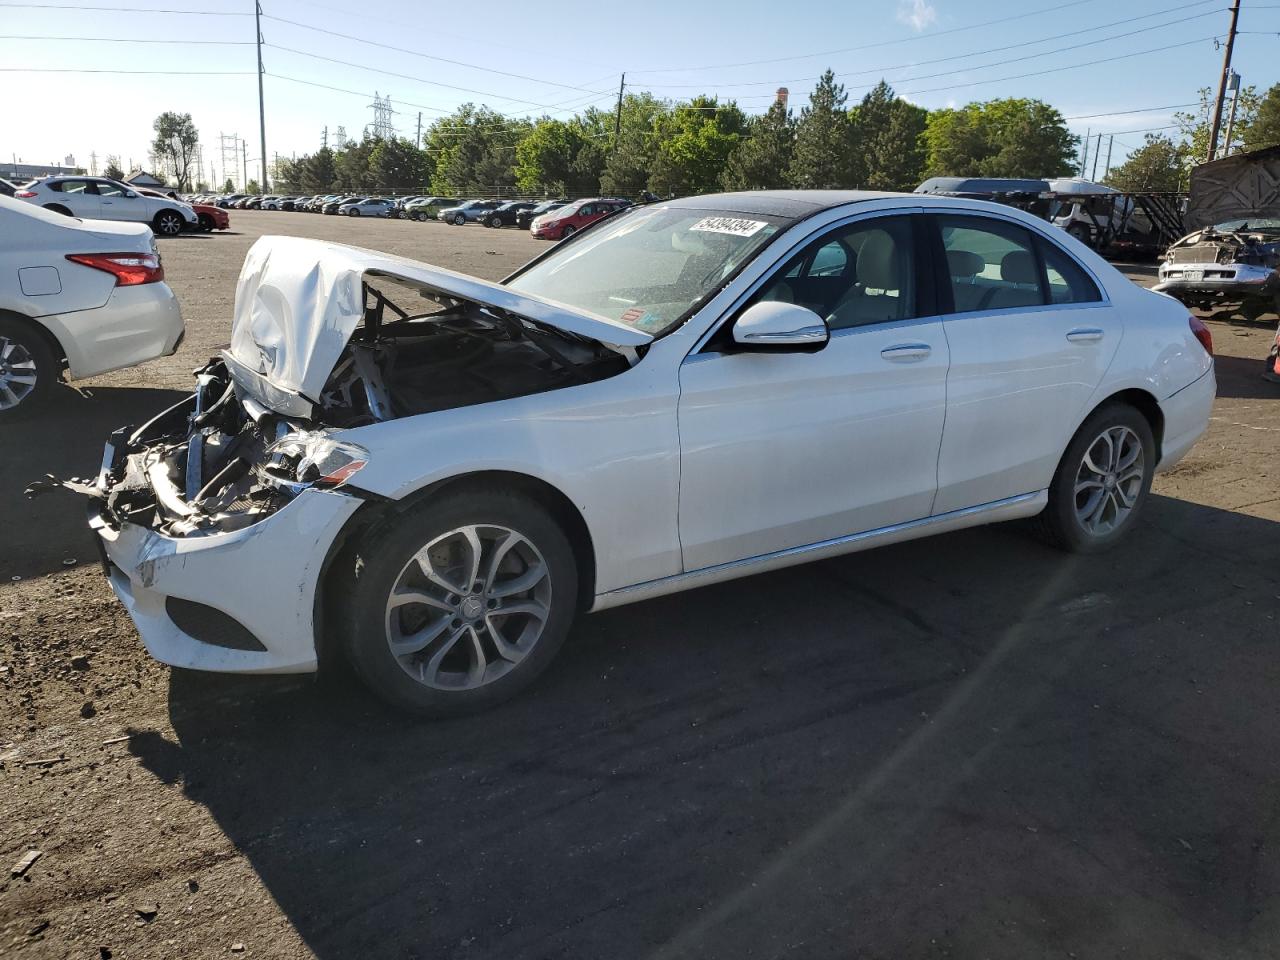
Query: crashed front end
<point x="217" y="518"/>
<point x="214" y="526"/>
<point x="1213" y="269"/>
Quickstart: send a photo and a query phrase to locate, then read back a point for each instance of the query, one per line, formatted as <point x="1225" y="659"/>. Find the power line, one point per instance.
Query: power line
<point x="975" y="53"/>
<point x="1118" y="113"/>
<point x="406" y="76"/>
<point x="60" y="6"/>
<point x="1070" y="66"/>
<point x="171" y="73"/>
<point x="868" y="46"/>
<point x="216" y="43"/>
<point x="425" y="56"/>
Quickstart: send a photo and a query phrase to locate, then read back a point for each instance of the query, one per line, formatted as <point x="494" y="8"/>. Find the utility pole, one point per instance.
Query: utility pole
<point x="1233" y="85"/>
<point x="324" y="138"/>
<point x="417" y="141"/>
<point x="617" y="116"/>
<point x="1222" y="81"/>
<point x="1084" y="161"/>
<point x="244" y="165"/>
<point x="1096" y="152"/>
<point x="262" y="112"/>
<point x="1111" y="142"/>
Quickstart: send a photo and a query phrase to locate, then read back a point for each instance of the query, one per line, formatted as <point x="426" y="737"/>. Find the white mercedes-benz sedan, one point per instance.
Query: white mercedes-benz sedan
<point x="434" y="474"/>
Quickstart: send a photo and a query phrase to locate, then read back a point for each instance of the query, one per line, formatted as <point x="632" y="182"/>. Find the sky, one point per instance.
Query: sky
<point x="324" y="62"/>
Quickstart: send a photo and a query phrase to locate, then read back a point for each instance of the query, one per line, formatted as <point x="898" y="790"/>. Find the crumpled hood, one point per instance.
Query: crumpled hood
<point x="298" y="301"/>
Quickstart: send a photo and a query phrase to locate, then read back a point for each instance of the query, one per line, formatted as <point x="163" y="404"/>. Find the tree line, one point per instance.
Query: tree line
<point x="698" y="146"/>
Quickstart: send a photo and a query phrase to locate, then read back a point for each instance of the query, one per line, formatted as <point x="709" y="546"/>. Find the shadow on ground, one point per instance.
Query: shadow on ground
<point x="65" y="439"/>
<point x="1241" y="378"/>
<point x="966" y="746"/>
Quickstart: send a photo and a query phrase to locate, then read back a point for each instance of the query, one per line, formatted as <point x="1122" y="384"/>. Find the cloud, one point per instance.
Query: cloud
<point x="917" y="14"/>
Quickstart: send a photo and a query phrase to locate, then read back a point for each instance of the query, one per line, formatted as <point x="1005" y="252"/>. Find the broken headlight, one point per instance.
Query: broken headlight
<point x="313" y="459"/>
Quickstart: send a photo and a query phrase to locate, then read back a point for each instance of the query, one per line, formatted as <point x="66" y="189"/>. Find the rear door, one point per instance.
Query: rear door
<point x="1031" y="335"/>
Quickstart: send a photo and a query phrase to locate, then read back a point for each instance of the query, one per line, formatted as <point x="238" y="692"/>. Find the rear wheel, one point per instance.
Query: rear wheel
<point x="58" y="208"/>
<point x="420" y="217"/>
<point x="168" y="223"/>
<point x="1082" y="233"/>
<point x="353" y="213"/>
<point x="459" y="219"/>
<point x="461" y="604"/>
<point x="568" y="232"/>
<point x="1102" y="481"/>
<point x="495" y="221"/>
<point x="28" y="369"/>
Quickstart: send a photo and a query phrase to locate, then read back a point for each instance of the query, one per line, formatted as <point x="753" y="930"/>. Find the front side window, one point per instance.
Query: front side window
<point x="859" y="274"/>
<point x="652" y="266"/>
<point x="108" y="189"/>
<point x="992" y="264"/>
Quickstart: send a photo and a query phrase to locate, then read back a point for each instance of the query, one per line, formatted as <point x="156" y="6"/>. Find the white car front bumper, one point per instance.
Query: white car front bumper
<point x="249" y="594"/>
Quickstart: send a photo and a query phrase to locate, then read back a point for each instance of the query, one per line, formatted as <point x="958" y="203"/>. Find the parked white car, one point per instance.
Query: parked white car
<point x="438" y="473"/>
<point x="99" y="198"/>
<point x="368" y="208"/>
<point x="85" y="296"/>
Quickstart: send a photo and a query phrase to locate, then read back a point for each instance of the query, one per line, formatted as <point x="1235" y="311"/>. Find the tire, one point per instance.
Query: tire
<point x="568" y="231"/>
<point x="1065" y="522"/>
<point x="206" y="223"/>
<point x="58" y="208"/>
<point x="458" y="668"/>
<point x="495" y="221"/>
<point x="420" y="217"/>
<point x="28" y="369"/>
<point x="459" y="219"/>
<point x="1082" y="233"/>
<point x="168" y="223"/>
<point x="353" y="213"/>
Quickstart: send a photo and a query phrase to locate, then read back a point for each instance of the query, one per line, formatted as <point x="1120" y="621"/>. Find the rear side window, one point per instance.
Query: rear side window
<point x="1067" y="280"/>
<point x="992" y="264"/>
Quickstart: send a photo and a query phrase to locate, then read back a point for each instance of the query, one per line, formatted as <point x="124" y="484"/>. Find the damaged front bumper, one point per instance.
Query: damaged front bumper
<point x="1227" y="282"/>
<point x="209" y="537"/>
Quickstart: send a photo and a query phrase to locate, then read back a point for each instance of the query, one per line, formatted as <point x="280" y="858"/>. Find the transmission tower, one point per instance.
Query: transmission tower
<point x="340" y="137"/>
<point x="382" y="126"/>
<point x="230" y="147"/>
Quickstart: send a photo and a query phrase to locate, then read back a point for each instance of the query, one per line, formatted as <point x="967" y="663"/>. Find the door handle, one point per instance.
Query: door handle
<point x="1084" y="334"/>
<point x="906" y="352"/>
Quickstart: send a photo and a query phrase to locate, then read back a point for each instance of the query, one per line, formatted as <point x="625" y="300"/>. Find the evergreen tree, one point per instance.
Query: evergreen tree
<point x="1158" y="165"/>
<point x="822" y="155"/>
<point x="762" y="158"/>
<point x="885" y="131"/>
<point x="1264" y="131"/>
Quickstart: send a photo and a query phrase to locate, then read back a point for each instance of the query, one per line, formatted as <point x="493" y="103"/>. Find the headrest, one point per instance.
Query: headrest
<point x="876" y="267"/>
<point x="1019" y="266"/>
<point x="964" y="263"/>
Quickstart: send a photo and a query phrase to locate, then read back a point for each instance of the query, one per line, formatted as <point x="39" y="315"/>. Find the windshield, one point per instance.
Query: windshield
<point x="548" y="205"/>
<point x="1250" y="224"/>
<point x="649" y="268"/>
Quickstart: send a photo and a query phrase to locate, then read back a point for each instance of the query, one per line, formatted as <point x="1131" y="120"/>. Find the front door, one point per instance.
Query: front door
<point x="1031" y="338"/>
<point x="117" y="205"/>
<point x="781" y="450"/>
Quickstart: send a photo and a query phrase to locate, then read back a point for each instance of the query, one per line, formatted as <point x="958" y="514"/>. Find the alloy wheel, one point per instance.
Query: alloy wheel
<point x="169" y="224"/>
<point x="18" y="373"/>
<point x="468" y="607"/>
<point x="1109" y="480"/>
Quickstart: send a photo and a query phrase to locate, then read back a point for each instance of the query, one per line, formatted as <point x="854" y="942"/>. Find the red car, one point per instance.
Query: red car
<point x="211" y="217"/>
<point x="569" y="219"/>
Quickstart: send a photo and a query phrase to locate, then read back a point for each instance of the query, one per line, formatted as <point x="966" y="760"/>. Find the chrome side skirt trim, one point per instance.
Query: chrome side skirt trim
<point x="1023" y="505"/>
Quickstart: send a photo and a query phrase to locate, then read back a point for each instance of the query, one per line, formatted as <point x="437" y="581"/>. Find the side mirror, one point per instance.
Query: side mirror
<point x="773" y="325"/>
<point x="130" y="195"/>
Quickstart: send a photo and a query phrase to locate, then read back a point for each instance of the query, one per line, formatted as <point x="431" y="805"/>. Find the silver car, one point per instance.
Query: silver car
<point x="372" y="207"/>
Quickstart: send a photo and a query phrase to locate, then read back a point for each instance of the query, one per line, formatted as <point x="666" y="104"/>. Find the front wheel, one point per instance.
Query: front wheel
<point x="459" y="219"/>
<point x="460" y="605"/>
<point x="168" y="223"/>
<point x="568" y="232"/>
<point x="353" y="213"/>
<point x="1082" y="233"/>
<point x="495" y="221"/>
<point x="206" y="223"/>
<point x="1102" y="481"/>
<point x="420" y="217"/>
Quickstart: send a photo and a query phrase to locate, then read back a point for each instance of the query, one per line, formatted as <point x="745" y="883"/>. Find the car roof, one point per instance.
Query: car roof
<point x="783" y="203"/>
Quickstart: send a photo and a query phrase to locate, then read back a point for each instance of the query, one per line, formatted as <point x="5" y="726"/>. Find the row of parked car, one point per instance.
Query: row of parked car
<point x="547" y="219"/>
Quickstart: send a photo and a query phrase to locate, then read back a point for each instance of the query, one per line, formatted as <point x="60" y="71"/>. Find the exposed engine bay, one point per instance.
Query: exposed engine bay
<point x="1232" y="265"/>
<point x="221" y="459"/>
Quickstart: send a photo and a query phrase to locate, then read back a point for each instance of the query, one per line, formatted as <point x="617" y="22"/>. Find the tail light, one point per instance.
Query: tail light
<point x="129" y="269"/>
<point x="24" y="194"/>
<point x="1202" y="333"/>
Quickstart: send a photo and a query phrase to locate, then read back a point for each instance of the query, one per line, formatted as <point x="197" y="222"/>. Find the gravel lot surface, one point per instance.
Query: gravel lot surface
<point x="969" y="746"/>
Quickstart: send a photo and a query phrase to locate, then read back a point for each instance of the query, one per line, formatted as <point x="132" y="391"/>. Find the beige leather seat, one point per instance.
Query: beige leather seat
<point x="875" y="295"/>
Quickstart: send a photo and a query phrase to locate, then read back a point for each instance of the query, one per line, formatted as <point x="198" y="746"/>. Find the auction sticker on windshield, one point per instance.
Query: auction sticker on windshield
<point x="735" y="226"/>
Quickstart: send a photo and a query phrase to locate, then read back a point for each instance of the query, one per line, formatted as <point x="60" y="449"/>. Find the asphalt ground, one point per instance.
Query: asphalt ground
<point x="967" y="746"/>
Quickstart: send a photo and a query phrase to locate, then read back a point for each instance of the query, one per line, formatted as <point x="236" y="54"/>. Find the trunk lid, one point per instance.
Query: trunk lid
<point x="298" y="301"/>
